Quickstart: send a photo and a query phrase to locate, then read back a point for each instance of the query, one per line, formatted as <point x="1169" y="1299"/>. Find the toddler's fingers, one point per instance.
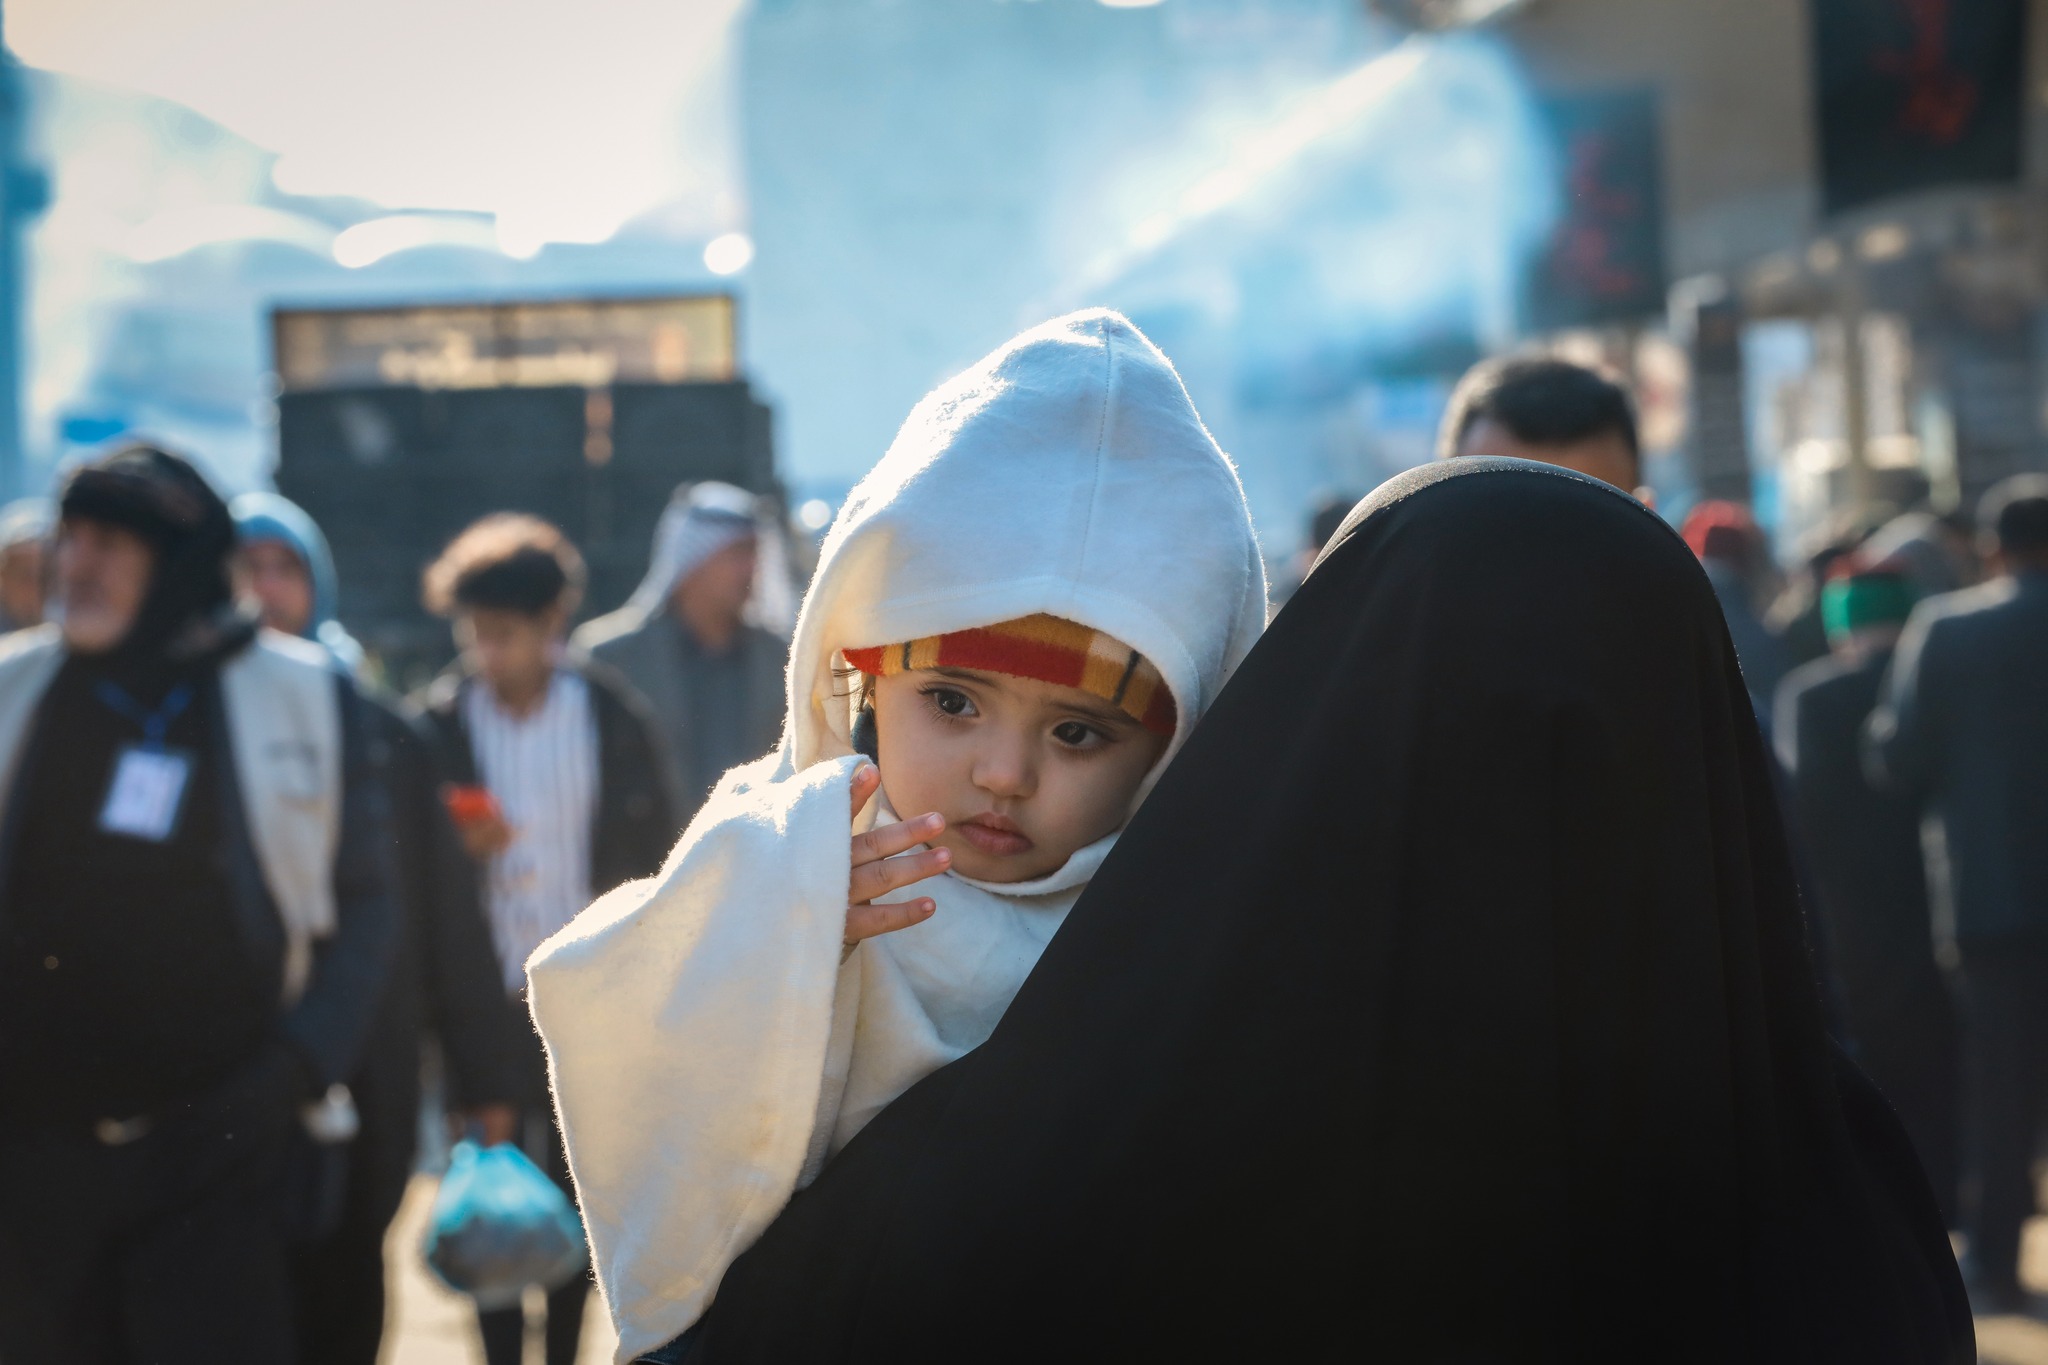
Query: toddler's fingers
<point x="867" y="779"/>
<point x="879" y="878"/>
<point x="888" y="840"/>
<point x="866" y="921"/>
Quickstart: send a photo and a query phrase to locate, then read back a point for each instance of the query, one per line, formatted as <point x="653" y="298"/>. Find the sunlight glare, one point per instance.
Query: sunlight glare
<point x="729" y="254"/>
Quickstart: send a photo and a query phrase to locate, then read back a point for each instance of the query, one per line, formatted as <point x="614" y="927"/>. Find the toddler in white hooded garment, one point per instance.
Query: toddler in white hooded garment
<point x="1040" y="587"/>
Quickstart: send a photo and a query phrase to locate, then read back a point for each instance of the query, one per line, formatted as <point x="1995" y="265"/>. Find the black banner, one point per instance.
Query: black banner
<point x="1605" y="259"/>
<point x="1915" y="94"/>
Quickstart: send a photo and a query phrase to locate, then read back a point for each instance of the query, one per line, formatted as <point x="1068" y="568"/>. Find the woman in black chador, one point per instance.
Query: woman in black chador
<point x="1448" y="1001"/>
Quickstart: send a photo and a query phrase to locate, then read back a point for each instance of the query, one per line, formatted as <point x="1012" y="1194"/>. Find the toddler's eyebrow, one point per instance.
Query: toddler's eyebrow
<point x="1101" y="711"/>
<point x="1094" y="710"/>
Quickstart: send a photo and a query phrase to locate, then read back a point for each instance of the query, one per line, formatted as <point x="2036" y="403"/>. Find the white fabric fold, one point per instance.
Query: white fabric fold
<point x="722" y="1069"/>
<point x="687" y="1051"/>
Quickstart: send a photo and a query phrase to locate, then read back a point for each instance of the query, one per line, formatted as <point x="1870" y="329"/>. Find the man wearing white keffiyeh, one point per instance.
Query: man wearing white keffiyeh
<point x="697" y="636"/>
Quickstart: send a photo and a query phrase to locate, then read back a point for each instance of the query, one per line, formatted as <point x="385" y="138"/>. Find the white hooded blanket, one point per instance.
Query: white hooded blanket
<point x="710" y="1044"/>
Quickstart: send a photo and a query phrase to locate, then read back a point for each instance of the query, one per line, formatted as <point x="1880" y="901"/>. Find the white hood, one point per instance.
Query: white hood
<point x="1067" y="473"/>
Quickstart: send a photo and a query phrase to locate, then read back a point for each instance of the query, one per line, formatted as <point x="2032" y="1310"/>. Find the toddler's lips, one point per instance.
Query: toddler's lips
<point x="995" y="834"/>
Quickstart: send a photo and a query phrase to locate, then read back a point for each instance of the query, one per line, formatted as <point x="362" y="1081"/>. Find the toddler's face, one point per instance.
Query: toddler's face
<point x="1025" y="772"/>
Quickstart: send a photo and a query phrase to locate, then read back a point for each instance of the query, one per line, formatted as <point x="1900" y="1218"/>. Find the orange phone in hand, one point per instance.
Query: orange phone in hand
<point x="467" y="805"/>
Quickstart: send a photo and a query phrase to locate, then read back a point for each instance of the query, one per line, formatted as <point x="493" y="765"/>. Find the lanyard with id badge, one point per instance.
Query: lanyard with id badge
<point x="148" y="791"/>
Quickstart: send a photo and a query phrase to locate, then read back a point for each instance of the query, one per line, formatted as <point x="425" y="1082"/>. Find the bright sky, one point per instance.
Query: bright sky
<point x="565" y="120"/>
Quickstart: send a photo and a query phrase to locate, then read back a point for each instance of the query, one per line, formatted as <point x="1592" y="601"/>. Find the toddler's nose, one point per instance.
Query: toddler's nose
<point x="1005" y="771"/>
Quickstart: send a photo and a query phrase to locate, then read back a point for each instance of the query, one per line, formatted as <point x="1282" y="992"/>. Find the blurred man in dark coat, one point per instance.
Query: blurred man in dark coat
<point x="1795" y="618"/>
<point x="1963" y="730"/>
<point x="445" y="981"/>
<point x="560" y="786"/>
<point x="1866" y="873"/>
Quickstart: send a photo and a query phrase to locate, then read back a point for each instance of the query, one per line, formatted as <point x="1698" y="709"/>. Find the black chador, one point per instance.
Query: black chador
<point x="1448" y="1001"/>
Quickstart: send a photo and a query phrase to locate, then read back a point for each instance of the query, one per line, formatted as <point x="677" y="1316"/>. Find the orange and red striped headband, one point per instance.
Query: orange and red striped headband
<point x="1047" y="648"/>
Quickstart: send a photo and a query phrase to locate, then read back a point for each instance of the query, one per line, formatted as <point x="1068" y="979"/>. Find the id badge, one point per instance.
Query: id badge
<point x="147" y="793"/>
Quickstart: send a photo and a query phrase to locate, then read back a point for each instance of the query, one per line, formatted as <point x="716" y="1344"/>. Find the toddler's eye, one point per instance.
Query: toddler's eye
<point x="949" y="700"/>
<point x="1075" y="735"/>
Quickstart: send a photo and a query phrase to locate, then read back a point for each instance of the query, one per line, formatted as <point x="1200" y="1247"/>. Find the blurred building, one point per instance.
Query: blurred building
<point x="151" y="280"/>
<point x="1853" y="224"/>
<point x="400" y="426"/>
<point x="1810" y="229"/>
<point x="1806" y="228"/>
<point x="24" y="194"/>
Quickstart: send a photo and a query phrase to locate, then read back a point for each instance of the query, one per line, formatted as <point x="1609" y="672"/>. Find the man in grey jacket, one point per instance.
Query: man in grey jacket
<point x="686" y="642"/>
<point x="1963" y="727"/>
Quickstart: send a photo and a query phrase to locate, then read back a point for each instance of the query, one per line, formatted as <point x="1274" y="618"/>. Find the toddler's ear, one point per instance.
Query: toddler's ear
<point x="864" y="741"/>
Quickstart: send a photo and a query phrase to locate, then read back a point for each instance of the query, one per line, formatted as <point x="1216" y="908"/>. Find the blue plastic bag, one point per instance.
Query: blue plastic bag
<point x="499" y="1225"/>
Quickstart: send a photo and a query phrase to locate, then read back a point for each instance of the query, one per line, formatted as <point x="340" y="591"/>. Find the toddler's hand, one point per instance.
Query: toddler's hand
<point x="877" y="871"/>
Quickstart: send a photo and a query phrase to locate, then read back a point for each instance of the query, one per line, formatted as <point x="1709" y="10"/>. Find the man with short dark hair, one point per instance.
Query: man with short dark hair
<point x="196" y="920"/>
<point x="1963" y="730"/>
<point x="1548" y="410"/>
<point x="558" y="783"/>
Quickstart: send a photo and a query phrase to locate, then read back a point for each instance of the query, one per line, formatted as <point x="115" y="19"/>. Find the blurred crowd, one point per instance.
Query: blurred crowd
<point x="248" y="898"/>
<point x="245" y="887"/>
<point x="1899" y="667"/>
